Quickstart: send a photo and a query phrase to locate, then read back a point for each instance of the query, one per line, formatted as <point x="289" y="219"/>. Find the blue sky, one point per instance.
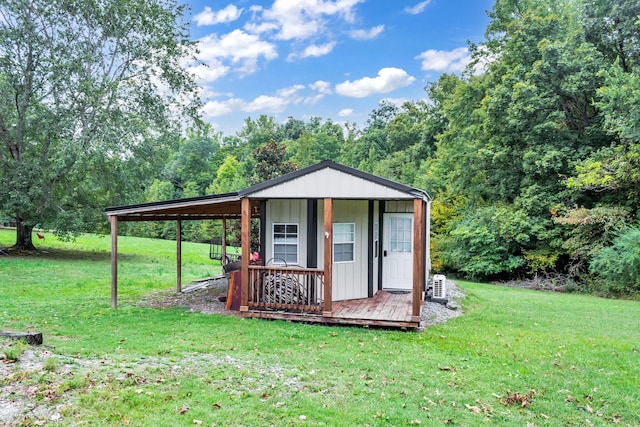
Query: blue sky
<point x="335" y="59"/>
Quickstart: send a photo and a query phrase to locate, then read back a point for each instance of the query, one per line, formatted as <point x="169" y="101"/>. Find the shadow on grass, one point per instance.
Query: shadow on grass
<point x="70" y="255"/>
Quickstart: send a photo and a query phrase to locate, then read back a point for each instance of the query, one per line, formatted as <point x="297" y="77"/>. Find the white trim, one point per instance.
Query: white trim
<point x="297" y="244"/>
<point x="352" y="242"/>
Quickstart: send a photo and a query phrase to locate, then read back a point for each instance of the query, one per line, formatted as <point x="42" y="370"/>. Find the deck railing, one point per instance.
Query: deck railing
<point x="286" y="288"/>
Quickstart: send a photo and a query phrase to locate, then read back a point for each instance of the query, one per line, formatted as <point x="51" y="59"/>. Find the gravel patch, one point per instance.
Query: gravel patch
<point x="434" y="313"/>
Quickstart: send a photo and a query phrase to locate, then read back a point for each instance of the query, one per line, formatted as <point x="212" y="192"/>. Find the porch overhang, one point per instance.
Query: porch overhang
<point x="198" y="208"/>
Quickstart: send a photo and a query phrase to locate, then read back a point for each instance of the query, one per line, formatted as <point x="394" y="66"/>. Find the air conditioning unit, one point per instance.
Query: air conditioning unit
<point x="439" y="287"/>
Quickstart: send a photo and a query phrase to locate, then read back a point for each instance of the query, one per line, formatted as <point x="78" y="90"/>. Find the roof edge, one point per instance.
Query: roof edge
<point x="112" y="210"/>
<point x="339" y="167"/>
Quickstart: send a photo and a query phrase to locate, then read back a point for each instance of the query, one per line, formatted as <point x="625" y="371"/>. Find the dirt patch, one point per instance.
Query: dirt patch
<point x="209" y="299"/>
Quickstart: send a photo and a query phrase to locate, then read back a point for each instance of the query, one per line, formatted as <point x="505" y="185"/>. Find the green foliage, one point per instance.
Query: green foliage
<point x="488" y="242"/>
<point x="78" y="93"/>
<point x="617" y="267"/>
<point x="13" y="351"/>
<point x="156" y="192"/>
<point x="271" y="162"/>
<point x="592" y="229"/>
<point x="194" y="163"/>
<point x="228" y="178"/>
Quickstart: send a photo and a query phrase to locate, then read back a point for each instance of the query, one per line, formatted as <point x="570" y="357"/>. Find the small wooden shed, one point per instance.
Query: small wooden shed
<point x="343" y="246"/>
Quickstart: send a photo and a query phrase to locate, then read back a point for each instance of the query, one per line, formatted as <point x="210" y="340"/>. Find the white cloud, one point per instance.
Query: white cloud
<point x="321" y="86"/>
<point x="302" y="19"/>
<point x="267" y="104"/>
<point x="289" y="92"/>
<point x="445" y="61"/>
<point x="367" y="34"/>
<point x="417" y="9"/>
<point x="263" y="103"/>
<point x="312" y="100"/>
<point x="387" y="80"/>
<point x="217" y="108"/>
<point x="241" y="48"/>
<point x="205" y="73"/>
<point x="210" y="17"/>
<point x="345" y="112"/>
<point x="314" y="50"/>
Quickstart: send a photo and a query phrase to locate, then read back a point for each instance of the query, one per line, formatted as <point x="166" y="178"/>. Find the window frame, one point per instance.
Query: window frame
<point x="352" y="243"/>
<point x="276" y="258"/>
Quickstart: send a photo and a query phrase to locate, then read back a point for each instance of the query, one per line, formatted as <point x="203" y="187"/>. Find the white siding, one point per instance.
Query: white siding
<point x="399" y="206"/>
<point x="331" y="183"/>
<point x="350" y="279"/>
<point x="290" y="212"/>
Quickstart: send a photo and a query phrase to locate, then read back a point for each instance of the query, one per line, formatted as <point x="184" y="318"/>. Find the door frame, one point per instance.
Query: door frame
<point x="385" y="241"/>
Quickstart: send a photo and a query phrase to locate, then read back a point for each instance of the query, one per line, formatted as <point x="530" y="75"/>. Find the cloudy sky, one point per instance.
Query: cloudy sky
<point x="336" y="59"/>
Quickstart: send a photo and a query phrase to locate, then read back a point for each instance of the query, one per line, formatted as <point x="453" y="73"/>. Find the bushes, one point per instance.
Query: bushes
<point x="617" y="267"/>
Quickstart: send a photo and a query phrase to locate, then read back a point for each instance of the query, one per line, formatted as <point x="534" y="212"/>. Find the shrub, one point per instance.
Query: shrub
<point x="617" y="267"/>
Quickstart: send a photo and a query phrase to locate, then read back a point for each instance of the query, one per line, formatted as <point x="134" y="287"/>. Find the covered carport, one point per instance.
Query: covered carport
<point x="215" y="207"/>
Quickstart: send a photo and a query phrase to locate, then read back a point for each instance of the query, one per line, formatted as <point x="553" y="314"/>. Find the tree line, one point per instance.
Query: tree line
<point x="532" y="155"/>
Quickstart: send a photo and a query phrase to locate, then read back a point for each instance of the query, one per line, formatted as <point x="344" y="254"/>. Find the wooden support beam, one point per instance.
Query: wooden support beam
<point x="418" y="258"/>
<point x="223" y="243"/>
<point x="114" y="261"/>
<point x="246" y="249"/>
<point x="328" y="257"/>
<point x="178" y="255"/>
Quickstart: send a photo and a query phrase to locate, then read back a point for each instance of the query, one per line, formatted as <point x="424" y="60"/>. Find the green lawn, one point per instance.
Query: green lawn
<point x="515" y="358"/>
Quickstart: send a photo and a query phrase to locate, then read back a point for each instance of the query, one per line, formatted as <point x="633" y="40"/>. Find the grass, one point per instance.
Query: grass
<point x="516" y="357"/>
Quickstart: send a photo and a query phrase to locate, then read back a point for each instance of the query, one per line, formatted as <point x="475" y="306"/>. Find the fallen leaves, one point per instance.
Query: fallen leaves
<point x="183" y="410"/>
<point x="517" y="398"/>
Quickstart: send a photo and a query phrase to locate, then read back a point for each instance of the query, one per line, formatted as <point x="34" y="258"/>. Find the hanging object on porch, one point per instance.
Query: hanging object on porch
<point x="218" y="248"/>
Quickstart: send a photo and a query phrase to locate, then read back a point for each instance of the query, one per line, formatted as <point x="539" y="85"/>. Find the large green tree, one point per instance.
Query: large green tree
<point x="83" y="84"/>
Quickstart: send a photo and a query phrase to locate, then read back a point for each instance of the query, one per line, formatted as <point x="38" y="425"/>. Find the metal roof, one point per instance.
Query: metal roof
<point x="228" y="205"/>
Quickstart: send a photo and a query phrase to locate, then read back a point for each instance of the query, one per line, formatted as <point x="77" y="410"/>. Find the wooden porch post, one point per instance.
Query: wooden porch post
<point x="223" y="242"/>
<point x="418" y="258"/>
<point x="328" y="257"/>
<point x="246" y="249"/>
<point x="178" y="255"/>
<point x="114" y="261"/>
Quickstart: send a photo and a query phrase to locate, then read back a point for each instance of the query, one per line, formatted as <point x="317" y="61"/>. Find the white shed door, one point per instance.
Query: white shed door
<point x="397" y="251"/>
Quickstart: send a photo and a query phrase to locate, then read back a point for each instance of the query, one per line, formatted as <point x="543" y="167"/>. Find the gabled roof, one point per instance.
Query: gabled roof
<point x="331" y="179"/>
<point x="325" y="179"/>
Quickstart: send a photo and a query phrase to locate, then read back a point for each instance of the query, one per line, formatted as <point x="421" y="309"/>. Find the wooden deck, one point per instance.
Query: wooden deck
<point x="385" y="309"/>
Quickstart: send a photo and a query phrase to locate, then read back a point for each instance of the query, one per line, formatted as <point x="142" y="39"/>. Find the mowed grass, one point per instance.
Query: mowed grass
<point x="515" y="358"/>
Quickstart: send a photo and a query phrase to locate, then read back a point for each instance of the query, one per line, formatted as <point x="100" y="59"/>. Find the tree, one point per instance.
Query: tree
<point x="271" y="162"/>
<point x="79" y="81"/>
<point x="194" y="161"/>
<point x="228" y="178"/>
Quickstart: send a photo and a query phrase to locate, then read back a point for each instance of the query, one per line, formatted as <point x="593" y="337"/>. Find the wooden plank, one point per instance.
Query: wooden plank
<point x="114" y="261"/>
<point x="328" y="255"/>
<point x="418" y="255"/>
<point x="32" y="338"/>
<point x="311" y="318"/>
<point x="246" y="249"/>
<point x="178" y="255"/>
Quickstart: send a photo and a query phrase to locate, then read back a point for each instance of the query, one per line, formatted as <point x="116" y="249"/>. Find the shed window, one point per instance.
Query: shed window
<point x="344" y="242"/>
<point x="285" y="243"/>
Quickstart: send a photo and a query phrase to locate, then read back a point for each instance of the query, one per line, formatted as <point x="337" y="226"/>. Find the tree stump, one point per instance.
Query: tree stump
<point x="32" y="338"/>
